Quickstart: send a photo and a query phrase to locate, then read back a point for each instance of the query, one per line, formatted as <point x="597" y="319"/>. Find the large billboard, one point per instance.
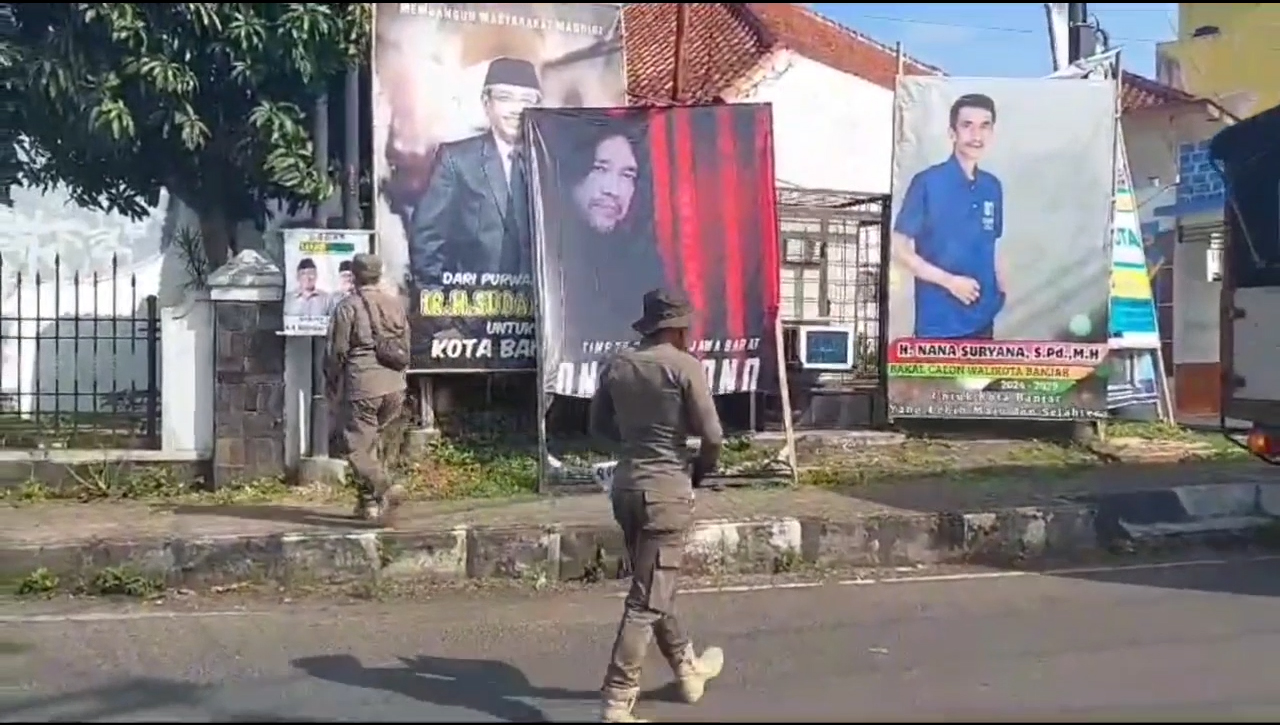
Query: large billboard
<point x="451" y="81"/>
<point x="1000" y="284"/>
<point x="631" y="199"/>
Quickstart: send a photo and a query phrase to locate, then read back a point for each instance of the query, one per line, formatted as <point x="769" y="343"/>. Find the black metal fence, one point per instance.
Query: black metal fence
<point x="835" y="250"/>
<point x="79" y="360"/>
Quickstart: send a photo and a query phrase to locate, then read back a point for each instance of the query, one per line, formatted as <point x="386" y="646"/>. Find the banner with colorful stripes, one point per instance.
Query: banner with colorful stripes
<point x="626" y="200"/>
<point x="1133" y="308"/>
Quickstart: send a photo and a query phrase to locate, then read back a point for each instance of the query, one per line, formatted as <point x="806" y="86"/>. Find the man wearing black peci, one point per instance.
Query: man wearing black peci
<point x="471" y="217"/>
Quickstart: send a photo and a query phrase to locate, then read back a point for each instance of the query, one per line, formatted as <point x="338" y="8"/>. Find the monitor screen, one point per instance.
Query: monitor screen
<point x="827" y="347"/>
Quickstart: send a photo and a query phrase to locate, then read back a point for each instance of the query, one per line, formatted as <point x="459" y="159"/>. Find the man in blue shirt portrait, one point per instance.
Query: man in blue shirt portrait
<point x="946" y="231"/>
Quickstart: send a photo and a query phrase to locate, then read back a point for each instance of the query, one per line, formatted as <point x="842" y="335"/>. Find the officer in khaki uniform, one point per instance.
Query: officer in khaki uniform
<point x="367" y="394"/>
<point x="650" y="399"/>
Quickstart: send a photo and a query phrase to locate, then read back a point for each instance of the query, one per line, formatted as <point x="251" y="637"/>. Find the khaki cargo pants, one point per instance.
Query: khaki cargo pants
<point x="654" y="527"/>
<point x="364" y="422"/>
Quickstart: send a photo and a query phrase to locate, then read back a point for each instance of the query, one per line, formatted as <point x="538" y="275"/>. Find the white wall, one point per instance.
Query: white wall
<point x="832" y="131"/>
<point x="1197" y="301"/>
<point x="57" y="259"/>
<point x="1153" y="137"/>
<point x="1152" y="149"/>
<point x="45" y="242"/>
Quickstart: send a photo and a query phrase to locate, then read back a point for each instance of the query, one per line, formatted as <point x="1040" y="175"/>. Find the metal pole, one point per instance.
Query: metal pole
<point x="1080" y="36"/>
<point x="319" y="406"/>
<point x="320" y="131"/>
<point x="677" y="80"/>
<point x="351" y="151"/>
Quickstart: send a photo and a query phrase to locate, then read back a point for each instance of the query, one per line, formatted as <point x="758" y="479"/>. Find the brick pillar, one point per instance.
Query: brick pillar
<point x="248" y="424"/>
<point x="249" y="391"/>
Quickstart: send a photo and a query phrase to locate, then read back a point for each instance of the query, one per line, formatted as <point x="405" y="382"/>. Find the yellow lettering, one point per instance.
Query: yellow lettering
<point x="505" y="304"/>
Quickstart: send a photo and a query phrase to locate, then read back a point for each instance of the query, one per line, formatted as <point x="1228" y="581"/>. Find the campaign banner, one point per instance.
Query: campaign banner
<point x="1133" y="307"/>
<point x="1001" y="277"/>
<point x="626" y="200"/>
<point x="1132" y="379"/>
<point x="451" y="81"/>
<point x="317" y="275"/>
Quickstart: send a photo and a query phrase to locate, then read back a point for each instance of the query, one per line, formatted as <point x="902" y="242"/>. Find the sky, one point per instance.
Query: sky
<point x="1002" y="39"/>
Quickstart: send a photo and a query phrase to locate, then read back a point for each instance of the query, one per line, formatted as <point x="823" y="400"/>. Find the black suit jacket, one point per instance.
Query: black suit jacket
<point x="468" y="220"/>
<point x="599" y="281"/>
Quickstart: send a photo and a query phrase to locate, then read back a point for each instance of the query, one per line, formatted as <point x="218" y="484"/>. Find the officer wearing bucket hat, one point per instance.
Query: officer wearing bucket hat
<point x="650" y="400"/>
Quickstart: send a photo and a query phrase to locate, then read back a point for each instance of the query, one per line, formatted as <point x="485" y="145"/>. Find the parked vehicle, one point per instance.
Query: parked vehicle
<point x="1248" y="157"/>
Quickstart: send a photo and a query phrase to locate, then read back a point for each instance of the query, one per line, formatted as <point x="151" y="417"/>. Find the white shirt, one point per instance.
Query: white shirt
<point x="504" y="152"/>
<point x="316" y="305"/>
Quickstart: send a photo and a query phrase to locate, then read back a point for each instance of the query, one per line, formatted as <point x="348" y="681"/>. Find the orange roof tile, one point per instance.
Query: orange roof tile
<point x="726" y="43"/>
<point x="1138" y="93"/>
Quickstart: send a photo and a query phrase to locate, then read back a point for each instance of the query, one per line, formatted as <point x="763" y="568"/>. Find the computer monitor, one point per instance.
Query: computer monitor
<point x="826" y="348"/>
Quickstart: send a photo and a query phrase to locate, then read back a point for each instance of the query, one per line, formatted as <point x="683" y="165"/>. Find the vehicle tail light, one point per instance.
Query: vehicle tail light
<point x="1264" y="443"/>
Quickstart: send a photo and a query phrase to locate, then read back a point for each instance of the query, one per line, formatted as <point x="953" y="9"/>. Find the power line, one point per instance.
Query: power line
<point x="988" y="28"/>
<point x="1137" y="10"/>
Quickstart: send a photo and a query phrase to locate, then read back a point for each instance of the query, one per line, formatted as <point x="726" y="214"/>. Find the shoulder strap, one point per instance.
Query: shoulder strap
<point x="374" y="332"/>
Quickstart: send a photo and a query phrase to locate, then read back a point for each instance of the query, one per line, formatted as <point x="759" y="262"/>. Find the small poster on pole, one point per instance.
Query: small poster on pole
<point x="317" y="275"/>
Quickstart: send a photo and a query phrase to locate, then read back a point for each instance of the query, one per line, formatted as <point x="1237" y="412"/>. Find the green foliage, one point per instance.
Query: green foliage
<point x="212" y="101"/>
<point x="40" y="582"/>
<point x="472" y="469"/>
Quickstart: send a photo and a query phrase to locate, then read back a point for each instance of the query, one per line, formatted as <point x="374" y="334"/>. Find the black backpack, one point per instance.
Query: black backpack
<point x="390" y="350"/>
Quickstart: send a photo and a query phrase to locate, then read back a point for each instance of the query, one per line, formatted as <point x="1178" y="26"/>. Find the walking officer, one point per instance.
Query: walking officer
<point x="649" y="401"/>
<point x="365" y="362"/>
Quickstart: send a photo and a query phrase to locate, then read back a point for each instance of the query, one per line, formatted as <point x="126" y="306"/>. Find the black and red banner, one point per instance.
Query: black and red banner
<point x="626" y="200"/>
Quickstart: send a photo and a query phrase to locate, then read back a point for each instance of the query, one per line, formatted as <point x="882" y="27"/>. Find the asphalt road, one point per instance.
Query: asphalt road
<point x="1166" y="644"/>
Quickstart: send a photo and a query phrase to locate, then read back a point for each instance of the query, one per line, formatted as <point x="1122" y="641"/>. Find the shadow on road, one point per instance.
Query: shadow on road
<point x="296" y="515"/>
<point x="491" y="687"/>
<point x="982" y="487"/>
<point x="129" y="700"/>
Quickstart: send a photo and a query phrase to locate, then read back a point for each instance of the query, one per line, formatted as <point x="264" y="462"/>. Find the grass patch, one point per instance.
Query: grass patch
<point x="471" y="469"/>
<point x="493" y="467"/>
<point x="490" y="467"/>
<point x="112" y="481"/>
<point x="1152" y="430"/>
<point x="994" y="463"/>
<point x="958" y="461"/>
<point x="120" y="581"/>
<point x="39" y="583"/>
<point x="1195" y="444"/>
<point x="113" y="581"/>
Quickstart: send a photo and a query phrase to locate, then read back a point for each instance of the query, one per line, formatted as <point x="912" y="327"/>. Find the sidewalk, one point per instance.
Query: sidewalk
<point x="909" y="522"/>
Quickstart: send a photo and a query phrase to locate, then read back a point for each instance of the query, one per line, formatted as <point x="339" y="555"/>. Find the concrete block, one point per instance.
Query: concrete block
<point x="322" y="471"/>
<point x="1160" y="520"/>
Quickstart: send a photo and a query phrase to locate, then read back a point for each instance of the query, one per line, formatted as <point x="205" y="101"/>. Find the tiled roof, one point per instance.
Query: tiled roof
<point x="728" y="43"/>
<point x="1138" y="93"/>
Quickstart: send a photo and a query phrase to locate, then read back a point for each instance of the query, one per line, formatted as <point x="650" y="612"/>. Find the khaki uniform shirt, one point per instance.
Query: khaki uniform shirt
<point x="650" y="400"/>
<point x="349" y="358"/>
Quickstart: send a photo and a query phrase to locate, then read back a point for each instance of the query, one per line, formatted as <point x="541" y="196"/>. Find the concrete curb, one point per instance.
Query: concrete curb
<point x="1079" y="530"/>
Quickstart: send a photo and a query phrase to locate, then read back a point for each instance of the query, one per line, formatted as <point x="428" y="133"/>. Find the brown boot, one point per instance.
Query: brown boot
<point x="694" y="670"/>
<point x="616" y="708"/>
<point x="389" y="504"/>
<point x="368" y="511"/>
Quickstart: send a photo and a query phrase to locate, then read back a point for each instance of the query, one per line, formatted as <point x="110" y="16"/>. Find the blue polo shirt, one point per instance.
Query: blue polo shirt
<point x="955" y="223"/>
